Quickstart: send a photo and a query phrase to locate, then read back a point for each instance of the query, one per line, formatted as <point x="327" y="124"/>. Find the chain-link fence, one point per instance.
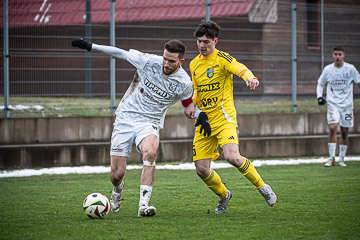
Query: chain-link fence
<point x="45" y="70"/>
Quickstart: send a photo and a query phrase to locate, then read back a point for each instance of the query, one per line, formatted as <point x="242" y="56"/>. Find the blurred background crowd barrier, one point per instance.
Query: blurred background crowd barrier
<point x="42" y="63"/>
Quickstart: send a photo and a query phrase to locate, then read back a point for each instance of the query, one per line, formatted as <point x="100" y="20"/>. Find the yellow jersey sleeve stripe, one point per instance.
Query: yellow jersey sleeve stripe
<point x="226" y="56"/>
<point x="235" y="67"/>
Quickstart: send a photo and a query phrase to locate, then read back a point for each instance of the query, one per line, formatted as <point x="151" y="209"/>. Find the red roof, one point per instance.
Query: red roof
<point x="24" y="13"/>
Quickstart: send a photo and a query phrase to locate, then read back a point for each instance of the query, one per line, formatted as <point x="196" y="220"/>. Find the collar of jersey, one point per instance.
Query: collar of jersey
<point x="210" y="56"/>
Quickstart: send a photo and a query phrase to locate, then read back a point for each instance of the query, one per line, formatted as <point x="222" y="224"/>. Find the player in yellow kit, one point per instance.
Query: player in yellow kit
<point x="213" y="106"/>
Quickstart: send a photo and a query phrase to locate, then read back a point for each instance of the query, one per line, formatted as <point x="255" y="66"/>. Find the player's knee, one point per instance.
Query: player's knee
<point x="116" y="175"/>
<point x="118" y="168"/>
<point x="333" y="128"/>
<point x="234" y="159"/>
<point x="202" y="171"/>
<point x="150" y="156"/>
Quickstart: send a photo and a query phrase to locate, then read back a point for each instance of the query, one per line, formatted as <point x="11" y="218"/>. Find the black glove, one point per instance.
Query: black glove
<point x="81" y="43"/>
<point x="205" y="125"/>
<point x="321" y="101"/>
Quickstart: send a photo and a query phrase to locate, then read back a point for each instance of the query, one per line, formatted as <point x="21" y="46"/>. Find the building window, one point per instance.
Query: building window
<point x="313" y="24"/>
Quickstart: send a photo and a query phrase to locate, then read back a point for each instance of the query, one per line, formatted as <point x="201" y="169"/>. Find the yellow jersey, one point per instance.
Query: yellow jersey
<point x="212" y="78"/>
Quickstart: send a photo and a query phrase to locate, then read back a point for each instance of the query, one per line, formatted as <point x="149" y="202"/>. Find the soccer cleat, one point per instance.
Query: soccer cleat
<point x="223" y="202"/>
<point x="146" y="211"/>
<point x="268" y="194"/>
<point x="115" y="200"/>
<point x="342" y="164"/>
<point x="330" y="163"/>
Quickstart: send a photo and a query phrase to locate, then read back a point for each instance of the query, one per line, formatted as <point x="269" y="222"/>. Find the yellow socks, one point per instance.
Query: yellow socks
<point x="213" y="182"/>
<point x="248" y="170"/>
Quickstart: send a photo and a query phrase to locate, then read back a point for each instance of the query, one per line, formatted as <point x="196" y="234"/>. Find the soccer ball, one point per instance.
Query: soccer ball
<point x="96" y="205"/>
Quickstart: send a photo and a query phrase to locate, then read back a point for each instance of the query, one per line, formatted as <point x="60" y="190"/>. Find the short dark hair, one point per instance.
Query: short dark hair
<point x="339" y="48"/>
<point x="208" y="28"/>
<point x="176" y="46"/>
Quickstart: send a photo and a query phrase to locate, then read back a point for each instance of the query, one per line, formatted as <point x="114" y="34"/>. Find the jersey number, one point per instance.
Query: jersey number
<point x="348" y="117"/>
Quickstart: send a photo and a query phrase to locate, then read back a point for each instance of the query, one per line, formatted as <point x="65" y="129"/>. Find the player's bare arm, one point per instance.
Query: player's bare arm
<point x="252" y="83"/>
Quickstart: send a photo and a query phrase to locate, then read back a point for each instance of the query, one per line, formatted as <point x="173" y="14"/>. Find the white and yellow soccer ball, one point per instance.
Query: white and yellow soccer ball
<point x="96" y="205"/>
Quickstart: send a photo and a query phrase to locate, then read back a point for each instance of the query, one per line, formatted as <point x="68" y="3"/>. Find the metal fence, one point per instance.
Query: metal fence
<point x="43" y="67"/>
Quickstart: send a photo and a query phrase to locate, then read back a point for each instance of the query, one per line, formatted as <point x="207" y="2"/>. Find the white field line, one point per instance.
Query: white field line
<point x="182" y="166"/>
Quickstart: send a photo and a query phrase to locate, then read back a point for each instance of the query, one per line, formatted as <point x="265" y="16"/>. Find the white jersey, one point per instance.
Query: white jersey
<point x="154" y="93"/>
<point x="340" y="82"/>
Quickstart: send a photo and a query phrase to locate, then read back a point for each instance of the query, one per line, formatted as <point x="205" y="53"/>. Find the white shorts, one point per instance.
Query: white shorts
<point x="125" y="134"/>
<point x="343" y="116"/>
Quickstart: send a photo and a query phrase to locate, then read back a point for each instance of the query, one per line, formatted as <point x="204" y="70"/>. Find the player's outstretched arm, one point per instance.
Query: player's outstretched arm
<point x="204" y="123"/>
<point x="109" y="50"/>
<point x="82" y="43"/>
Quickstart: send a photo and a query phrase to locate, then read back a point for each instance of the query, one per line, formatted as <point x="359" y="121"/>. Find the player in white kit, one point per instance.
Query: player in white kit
<point x="340" y="77"/>
<point x="159" y="82"/>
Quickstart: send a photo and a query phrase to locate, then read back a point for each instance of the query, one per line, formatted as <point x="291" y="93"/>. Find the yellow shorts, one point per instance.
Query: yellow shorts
<point x="206" y="147"/>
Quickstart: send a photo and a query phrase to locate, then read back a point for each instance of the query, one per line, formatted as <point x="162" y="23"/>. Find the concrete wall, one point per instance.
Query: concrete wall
<point x="76" y="141"/>
<point x="95" y="129"/>
<point x="55" y="130"/>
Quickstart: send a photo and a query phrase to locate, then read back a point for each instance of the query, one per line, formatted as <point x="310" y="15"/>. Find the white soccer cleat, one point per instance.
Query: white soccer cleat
<point x="342" y="164"/>
<point x="268" y="194"/>
<point x="115" y="200"/>
<point x="146" y="211"/>
<point x="330" y="163"/>
<point x="223" y="202"/>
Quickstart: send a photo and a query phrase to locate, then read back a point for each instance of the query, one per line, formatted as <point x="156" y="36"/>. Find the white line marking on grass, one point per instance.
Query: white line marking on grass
<point x="182" y="166"/>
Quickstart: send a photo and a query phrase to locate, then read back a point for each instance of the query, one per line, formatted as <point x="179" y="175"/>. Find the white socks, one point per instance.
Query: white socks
<point x="332" y="149"/>
<point x="145" y="194"/>
<point x="342" y="152"/>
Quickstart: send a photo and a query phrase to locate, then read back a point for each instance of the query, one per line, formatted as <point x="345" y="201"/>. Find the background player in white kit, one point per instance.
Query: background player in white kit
<point x="158" y="83"/>
<point x="340" y="78"/>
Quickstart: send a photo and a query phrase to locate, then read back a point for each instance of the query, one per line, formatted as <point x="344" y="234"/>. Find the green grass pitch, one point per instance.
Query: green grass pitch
<point x="314" y="202"/>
